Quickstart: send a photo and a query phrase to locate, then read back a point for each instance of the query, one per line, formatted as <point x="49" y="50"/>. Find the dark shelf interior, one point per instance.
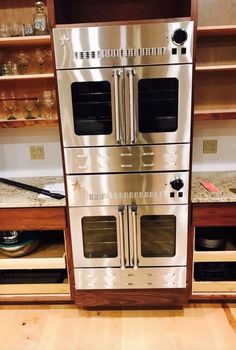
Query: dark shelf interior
<point x="93" y="11"/>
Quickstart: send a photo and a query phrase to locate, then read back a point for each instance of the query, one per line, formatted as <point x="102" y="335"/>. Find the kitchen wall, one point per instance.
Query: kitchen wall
<point x="224" y="131"/>
<point x="15" y="160"/>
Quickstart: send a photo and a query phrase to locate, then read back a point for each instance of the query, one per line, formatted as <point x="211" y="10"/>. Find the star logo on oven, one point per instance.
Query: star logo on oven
<point x="77" y="186"/>
<point x="64" y="40"/>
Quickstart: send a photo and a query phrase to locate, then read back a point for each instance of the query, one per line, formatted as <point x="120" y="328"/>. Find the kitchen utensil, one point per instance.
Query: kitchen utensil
<point x="32" y="188"/>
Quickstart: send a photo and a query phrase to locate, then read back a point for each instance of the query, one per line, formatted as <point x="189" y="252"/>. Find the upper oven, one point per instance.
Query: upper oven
<point x="125" y="84"/>
<point x="138" y="105"/>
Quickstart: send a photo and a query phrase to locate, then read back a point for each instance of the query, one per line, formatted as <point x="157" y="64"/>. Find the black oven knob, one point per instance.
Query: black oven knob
<point x="177" y="184"/>
<point x="179" y="37"/>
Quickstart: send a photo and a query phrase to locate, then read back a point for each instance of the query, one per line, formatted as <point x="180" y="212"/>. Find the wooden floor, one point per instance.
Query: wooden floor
<point x="64" y="327"/>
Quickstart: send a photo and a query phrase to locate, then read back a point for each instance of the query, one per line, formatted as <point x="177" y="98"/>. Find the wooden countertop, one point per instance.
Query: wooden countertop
<point x="12" y="197"/>
<point x="223" y="180"/>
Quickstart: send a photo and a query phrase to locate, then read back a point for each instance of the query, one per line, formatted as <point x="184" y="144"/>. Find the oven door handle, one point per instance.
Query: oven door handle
<point x="131" y="73"/>
<point x="121" y="236"/>
<point x="135" y="238"/>
<point x="116" y="75"/>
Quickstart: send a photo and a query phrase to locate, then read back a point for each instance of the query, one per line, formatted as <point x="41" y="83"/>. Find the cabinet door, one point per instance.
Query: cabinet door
<point x="98" y="236"/>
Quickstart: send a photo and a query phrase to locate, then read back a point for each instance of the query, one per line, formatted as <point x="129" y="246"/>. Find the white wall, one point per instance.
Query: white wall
<point x="224" y="131"/>
<point x="15" y="158"/>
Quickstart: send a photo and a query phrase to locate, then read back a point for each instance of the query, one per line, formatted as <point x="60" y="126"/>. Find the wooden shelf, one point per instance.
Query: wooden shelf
<point x="46" y="256"/>
<point x="25" y="40"/>
<point x="27" y="76"/>
<point x="215" y="68"/>
<point x="214" y="287"/>
<point x="215" y="256"/>
<point x="216" y="30"/>
<point x="42" y="288"/>
<point x="27" y="123"/>
<point x="215" y="114"/>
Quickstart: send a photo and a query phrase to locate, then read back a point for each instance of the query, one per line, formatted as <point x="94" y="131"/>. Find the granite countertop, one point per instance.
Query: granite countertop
<point x="13" y="197"/>
<point x="223" y="180"/>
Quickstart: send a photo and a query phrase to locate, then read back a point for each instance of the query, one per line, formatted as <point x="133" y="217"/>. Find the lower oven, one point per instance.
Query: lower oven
<point x="129" y="230"/>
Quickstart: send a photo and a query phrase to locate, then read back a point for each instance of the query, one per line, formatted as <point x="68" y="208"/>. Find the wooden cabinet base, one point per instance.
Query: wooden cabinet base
<point x="130" y="299"/>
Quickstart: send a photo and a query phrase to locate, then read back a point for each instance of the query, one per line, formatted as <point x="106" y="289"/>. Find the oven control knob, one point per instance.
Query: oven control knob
<point x="179" y="37"/>
<point x="177" y="184"/>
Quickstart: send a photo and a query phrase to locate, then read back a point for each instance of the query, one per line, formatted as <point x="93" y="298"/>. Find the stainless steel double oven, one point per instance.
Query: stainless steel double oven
<point x="125" y="103"/>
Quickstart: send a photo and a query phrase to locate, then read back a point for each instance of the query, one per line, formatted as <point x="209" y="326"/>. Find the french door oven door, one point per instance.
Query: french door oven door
<point x="158" y="104"/>
<point x="98" y="238"/>
<point x="134" y="236"/>
<point x="159" y="235"/>
<point x="91" y="114"/>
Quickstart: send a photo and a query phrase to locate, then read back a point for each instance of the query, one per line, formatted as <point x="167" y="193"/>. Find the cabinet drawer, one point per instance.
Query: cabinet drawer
<point x="223" y="214"/>
<point x="33" y="218"/>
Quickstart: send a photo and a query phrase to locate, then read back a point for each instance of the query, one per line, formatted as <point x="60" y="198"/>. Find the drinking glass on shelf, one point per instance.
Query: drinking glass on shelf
<point x="15" y="29"/>
<point x="38" y="105"/>
<point x="23" y="61"/>
<point x="29" y="106"/>
<point x="48" y="101"/>
<point x="10" y="105"/>
<point x="40" y="59"/>
<point x="48" y="60"/>
<point x="4" y="32"/>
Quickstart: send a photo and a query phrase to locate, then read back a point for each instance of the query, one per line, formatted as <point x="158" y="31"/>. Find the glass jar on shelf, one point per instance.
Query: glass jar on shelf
<point x="40" y="19"/>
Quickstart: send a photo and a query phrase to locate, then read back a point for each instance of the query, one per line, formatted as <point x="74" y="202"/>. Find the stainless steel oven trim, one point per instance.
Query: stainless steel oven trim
<point x="146" y="158"/>
<point x="115" y="278"/>
<point x="128" y="84"/>
<point x="76" y="215"/>
<point x="65" y="80"/>
<point x="181" y="214"/>
<point x="121" y="45"/>
<point x="184" y="75"/>
<point x="126" y="189"/>
<point x="131" y="236"/>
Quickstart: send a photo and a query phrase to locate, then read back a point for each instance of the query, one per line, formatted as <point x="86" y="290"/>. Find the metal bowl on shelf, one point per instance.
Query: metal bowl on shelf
<point x="18" y="243"/>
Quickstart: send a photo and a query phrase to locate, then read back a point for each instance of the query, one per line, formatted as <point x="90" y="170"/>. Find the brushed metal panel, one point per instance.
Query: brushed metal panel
<point x="125" y="189"/>
<point x="112" y="278"/>
<point x="174" y="157"/>
<point x="134" y="44"/>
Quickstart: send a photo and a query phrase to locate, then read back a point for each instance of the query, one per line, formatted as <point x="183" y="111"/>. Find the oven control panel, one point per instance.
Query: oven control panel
<point x="128" y="189"/>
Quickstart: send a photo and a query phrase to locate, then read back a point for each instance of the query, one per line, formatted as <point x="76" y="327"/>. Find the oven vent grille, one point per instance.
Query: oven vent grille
<point x="124" y="195"/>
<point x="113" y="53"/>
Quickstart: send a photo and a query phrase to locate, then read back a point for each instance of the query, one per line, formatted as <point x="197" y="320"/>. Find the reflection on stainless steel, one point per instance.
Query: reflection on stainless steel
<point x="125" y="96"/>
<point x="136" y="158"/>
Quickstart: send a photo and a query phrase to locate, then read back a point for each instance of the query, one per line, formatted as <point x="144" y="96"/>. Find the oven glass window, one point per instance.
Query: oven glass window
<point x="99" y="236"/>
<point x="158" y="105"/>
<point x="92" y="113"/>
<point x="158" y="236"/>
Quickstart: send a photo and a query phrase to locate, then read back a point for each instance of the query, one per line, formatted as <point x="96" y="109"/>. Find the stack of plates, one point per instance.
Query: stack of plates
<point x="18" y="243"/>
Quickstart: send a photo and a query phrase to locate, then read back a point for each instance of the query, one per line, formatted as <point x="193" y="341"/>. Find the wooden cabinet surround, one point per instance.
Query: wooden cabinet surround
<point x="215" y="78"/>
<point x="49" y="256"/>
<point x="26" y="70"/>
<point x="21" y="92"/>
<point x="218" y="265"/>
